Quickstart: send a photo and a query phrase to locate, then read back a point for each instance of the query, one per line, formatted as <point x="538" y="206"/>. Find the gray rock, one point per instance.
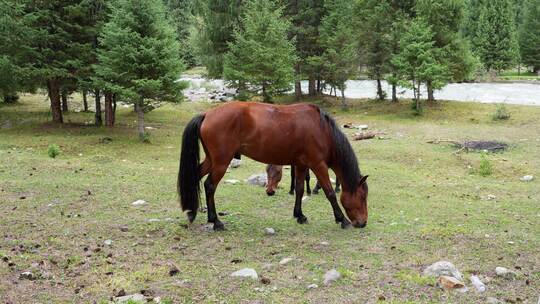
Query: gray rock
<point x="258" y="179"/>
<point x="504" y="272"/>
<point x="527" y="178"/>
<point x="137" y="297"/>
<point x="330" y="276"/>
<point x="108" y="242"/>
<point x="27" y="275"/>
<point x="249" y="273"/>
<point x="235" y="163"/>
<point x="139" y="203"/>
<point x="479" y="285"/>
<point x="312" y="286"/>
<point x="325" y="243"/>
<point x="285" y="261"/>
<point x="443" y="268"/>
<point x="492" y="300"/>
<point x="232" y="181"/>
<point x="269" y="231"/>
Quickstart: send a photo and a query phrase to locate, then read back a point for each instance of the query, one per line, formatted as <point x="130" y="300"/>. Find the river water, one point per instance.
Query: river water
<point x="496" y="92"/>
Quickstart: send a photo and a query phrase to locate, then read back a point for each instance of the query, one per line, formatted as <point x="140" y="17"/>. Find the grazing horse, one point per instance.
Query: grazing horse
<point x="299" y="134"/>
<point x="274" y="174"/>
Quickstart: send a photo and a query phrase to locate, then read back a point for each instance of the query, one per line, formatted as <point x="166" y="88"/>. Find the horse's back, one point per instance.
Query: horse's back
<point x="276" y="134"/>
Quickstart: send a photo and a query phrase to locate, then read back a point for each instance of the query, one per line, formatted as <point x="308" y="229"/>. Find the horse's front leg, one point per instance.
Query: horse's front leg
<point x="293" y="181"/>
<point x="321" y="171"/>
<point x="338" y="189"/>
<point x="300" y="176"/>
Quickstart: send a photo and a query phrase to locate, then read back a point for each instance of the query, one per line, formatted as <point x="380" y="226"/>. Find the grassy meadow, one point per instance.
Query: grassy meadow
<point x="426" y="204"/>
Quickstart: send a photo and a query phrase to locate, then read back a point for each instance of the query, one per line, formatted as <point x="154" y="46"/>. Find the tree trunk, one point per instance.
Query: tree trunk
<point x="311" y="86"/>
<point x="85" y="100"/>
<point x="140" y="118"/>
<point x="98" y="120"/>
<point x="418" y="97"/>
<point x="319" y="86"/>
<point x="297" y="83"/>
<point x="109" y="112"/>
<point x="380" y="93"/>
<point x="53" y="86"/>
<point x="64" y="97"/>
<point x="114" y="104"/>
<point x="343" y="100"/>
<point x="394" y="93"/>
<point x="430" y="91"/>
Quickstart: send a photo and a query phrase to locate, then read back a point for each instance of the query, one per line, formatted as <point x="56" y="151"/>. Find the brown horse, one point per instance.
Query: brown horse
<point x="300" y="134"/>
<point x="274" y="174"/>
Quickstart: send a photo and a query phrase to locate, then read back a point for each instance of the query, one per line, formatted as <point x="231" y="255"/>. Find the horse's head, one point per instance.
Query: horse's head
<point x="355" y="203"/>
<point x="273" y="174"/>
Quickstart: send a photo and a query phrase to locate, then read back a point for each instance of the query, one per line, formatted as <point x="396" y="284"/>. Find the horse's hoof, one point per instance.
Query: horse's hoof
<point x="218" y="226"/>
<point x="291" y="192"/>
<point x="308" y="193"/>
<point x="315" y="192"/>
<point x="346" y="224"/>
<point x="302" y="219"/>
<point x="191" y="216"/>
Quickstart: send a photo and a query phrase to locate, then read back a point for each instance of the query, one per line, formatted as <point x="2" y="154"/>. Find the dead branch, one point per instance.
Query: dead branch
<point x="366" y="135"/>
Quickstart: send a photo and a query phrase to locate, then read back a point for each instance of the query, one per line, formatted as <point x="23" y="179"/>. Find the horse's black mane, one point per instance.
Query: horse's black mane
<point x="344" y="154"/>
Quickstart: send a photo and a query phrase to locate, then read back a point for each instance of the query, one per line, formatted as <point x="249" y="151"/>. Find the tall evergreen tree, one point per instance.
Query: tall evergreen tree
<point x="445" y="18"/>
<point x="218" y="19"/>
<point x="139" y="56"/>
<point x="261" y="57"/>
<point x="181" y="13"/>
<point x="418" y="60"/>
<point x="529" y="36"/>
<point x="376" y="38"/>
<point x="340" y="60"/>
<point x="494" y="36"/>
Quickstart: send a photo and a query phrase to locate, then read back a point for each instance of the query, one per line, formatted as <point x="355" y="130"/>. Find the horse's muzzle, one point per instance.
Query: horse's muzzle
<point x="359" y="224"/>
<point x="271" y="192"/>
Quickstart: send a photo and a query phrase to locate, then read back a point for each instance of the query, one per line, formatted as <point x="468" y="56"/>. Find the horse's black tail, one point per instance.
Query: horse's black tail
<point x="188" y="175"/>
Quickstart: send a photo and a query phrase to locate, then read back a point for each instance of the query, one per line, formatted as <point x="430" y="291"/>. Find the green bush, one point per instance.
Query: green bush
<point x="53" y="150"/>
<point x="501" y="113"/>
<point x="485" y="168"/>
<point x="145" y="138"/>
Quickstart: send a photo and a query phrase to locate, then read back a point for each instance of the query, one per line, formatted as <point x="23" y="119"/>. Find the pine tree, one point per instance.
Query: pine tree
<point x="261" y="57"/>
<point x="215" y="28"/>
<point x="529" y="36"/>
<point x="340" y="60"/>
<point x="139" y="56"/>
<point x="494" y="38"/>
<point x="376" y="39"/>
<point x="181" y="13"/>
<point x="417" y="62"/>
<point x="445" y="18"/>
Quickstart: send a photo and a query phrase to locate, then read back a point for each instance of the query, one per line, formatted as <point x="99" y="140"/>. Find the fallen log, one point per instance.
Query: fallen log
<point x="366" y="135"/>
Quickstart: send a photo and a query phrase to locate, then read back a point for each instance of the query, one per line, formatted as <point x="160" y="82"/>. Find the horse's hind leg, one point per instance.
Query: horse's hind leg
<point x="210" y="185"/>
<point x="322" y="175"/>
<point x="293" y="181"/>
<point x="300" y="176"/>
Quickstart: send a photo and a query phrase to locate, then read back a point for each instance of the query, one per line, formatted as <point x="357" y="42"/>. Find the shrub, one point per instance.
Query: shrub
<point x="145" y="138"/>
<point x="485" y="168"/>
<point x="53" y="151"/>
<point x="501" y="113"/>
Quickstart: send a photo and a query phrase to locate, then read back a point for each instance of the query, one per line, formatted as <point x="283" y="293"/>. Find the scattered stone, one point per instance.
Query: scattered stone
<point x="448" y="282"/>
<point x="312" y="286"/>
<point x="443" y="268"/>
<point x="269" y="231"/>
<point x="139" y="203"/>
<point x="235" y="163"/>
<point x="27" y="275"/>
<point x="153" y="220"/>
<point x="479" y="285"/>
<point x="232" y="181"/>
<point x="492" y="300"/>
<point x="490" y="197"/>
<point x="108" y="242"/>
<point x="285" y="261"/>
<point x="258" y="179"/>
<point x="504" y="272"/>
<point x="249" y="273"/>
<point x="265" y="280"/>
<point x="305" y="198"/>
<point x="325" y="243"/>
<point x="131" y="298"/>
<point x="331" y="276"/>
<point x="527" y="178"/>
<point x="124" y="228"/>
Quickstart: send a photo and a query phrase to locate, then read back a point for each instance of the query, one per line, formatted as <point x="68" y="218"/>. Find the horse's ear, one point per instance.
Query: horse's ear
<point x="363" y="179"/>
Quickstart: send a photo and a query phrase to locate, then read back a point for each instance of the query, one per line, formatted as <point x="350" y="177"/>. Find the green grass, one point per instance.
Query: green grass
<point x="514" y="75"/>
<point x="424" y="204"/>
